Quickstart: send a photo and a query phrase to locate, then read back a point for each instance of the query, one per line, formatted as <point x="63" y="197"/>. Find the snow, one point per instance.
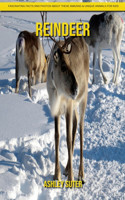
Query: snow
<point x="27" y="146"/>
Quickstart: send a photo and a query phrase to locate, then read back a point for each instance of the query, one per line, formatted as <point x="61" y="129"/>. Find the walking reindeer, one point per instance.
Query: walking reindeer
<point x="67" y="85"/>
<point x="106" y="32"/>
<point x="30" y="59"/>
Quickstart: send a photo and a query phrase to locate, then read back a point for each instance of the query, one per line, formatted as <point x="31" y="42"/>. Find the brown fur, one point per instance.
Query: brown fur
<point x="70" y="76"/>
<point x="30" y="57"/>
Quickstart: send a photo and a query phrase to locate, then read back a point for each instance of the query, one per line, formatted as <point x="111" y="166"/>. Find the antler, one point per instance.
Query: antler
<point x="44" y="19"/>
<point x="67" y="41"/>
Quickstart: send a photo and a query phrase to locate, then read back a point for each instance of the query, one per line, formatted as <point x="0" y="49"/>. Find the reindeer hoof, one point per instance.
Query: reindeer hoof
<point x="81" y="179"/>
<point x="93" y="82"/>
<point x="65" y="172"/>
<point x="105" y="81"/>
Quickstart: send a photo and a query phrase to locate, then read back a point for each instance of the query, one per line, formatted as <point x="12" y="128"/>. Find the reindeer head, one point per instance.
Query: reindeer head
<point x="63" y="74"/>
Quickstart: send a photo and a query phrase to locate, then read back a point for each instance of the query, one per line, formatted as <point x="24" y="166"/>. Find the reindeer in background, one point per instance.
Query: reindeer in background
<point x="30" y="59"/>
<point x="106" y="32"/>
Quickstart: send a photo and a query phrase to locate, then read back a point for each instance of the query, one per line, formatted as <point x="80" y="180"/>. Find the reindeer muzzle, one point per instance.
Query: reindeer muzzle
<point x="74" y="91"/>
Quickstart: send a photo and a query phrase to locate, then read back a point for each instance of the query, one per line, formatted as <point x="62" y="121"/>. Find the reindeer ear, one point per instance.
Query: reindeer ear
<point x="68" y="47"/>
<point x="56" y="56"/>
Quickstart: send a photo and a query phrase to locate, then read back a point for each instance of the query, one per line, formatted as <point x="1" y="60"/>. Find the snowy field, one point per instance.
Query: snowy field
<point x="27" y="151"/>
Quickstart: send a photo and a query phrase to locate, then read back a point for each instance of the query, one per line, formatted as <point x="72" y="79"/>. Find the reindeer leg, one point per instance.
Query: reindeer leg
<point x="118" y="64"/>
<point x="34" y="77"/>
<point x="94" y="65"/>
<point x="100" y="66"/>
<point x="39" y="75"/>
<point x="115" y="65"/>
<point x="57" y="175"/>
<point x="75" y="123"/>
<point x="119" y="55"/>
<point x="29" y="83"/>
<point x="69" y="121"/>
<point x="17" y="82"/>
<point x="82" y="113"/>
<point x="17" y="75"/>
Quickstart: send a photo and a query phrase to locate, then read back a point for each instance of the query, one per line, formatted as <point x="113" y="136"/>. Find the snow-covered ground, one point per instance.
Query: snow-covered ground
<point x="27" y="151"/>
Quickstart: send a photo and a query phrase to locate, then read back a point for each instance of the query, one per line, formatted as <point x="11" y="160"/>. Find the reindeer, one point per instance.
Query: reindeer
<point x="106" y="32"/>
<point x="67" y="86"/>
<point x="30" y="59"/>
<point x="44" y="71"/>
